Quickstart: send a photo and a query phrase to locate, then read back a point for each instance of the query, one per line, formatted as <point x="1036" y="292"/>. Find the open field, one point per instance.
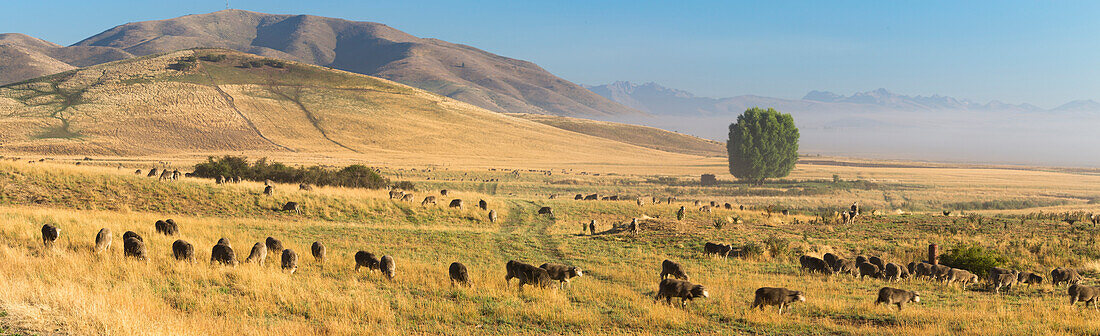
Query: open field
<point x="71" y="290"/>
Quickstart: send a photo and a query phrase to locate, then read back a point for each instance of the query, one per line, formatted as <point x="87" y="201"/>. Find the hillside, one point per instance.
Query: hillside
<point x="458" y="71"/>
<point x="218" y="101"/>
<point x="23" y="57"/>
<point x="642" y="136"/>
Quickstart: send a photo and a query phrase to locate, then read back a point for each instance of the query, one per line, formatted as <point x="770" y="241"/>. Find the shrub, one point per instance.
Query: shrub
<point x="752" y="249"/>
<point x="354" y="176"/>
<point x="708" y="180"/>
<point x="212" y="58"/>
<point x="777" y="246"/>
<point x="973" y="258"/>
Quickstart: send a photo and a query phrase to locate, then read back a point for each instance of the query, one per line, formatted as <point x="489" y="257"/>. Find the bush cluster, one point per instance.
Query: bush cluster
<point x="353" y="176"/>
<point x="973" y="258"/>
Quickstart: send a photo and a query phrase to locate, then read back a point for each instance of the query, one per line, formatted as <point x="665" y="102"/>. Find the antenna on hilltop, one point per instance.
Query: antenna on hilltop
<point x="226" y="4"/>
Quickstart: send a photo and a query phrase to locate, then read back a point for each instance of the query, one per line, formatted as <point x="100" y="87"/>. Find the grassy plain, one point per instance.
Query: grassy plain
<point x="70" y="290"/>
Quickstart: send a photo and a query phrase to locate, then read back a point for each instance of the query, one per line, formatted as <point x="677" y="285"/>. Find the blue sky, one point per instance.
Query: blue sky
<point x="1042" y="52"/>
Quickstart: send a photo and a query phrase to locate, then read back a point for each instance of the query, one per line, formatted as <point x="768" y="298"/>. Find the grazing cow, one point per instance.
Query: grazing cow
<point x="1064" y="275"/>
<point x="103" y="240"/>
<point x="290" y="261"/>
<point x="305" y="187"/>
<point x="592" y="197"/>
<point x="1003" y="280"/>
<point x="877" y="261"/>
<point x="633" y="226"/>
<point x="527" y="274"/>
<point x="152" y="173"/>
<point x="940" y="272"/>
<point x="1087" y="294"/>
<point x="860" y="259"/>
<point x="137" y="172"/>
<point x="398" y="194"/>
<point x="815" y="265"/>
<point x="165" y="175"/>
<point x="443" y="192"/>
<point x="869" y="269"/>
<point x="182" y="250"/>
<point x="258" y="254"/>
<point x="546" y="211"/>
<point x="771" y="296"/>
<point x="680" y="213"/>
<point x="455" y="203"/>
<point x="846" y="266"/>
<point x="428" y="200"/>
<point x="365" y="259"/>
<point x="220" y="180"/>
<point x="492" y="216"/>
<point x="133" y="247"/>
<point x="268" y="190"/>
<point x="561" y="273"/>
<point x="49" y="235"/>
<point x="923" y="269"/>
<point x="483" y="205"/>
<point x="167" y="228"/>
<point x="669" y="267"/>
<point x="459" y="274"/>
<point x="578" y="197"/>
<point x="223" y="254"/>
<point x="223" y="241"/>
<point x="408" y="198"/>
<point x="895" y="296"/>
<point x="318" y="250"/>
<point x="683" y="289"/>
<point x="292" y="206"/>
<point x="728" y="206"/>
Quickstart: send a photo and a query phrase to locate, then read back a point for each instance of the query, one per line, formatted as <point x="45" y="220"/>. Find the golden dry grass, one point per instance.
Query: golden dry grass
<point x="70" y="290"/>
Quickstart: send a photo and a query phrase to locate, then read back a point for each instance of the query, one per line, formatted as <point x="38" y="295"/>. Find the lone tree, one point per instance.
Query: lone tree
<point x="763" y="144"/>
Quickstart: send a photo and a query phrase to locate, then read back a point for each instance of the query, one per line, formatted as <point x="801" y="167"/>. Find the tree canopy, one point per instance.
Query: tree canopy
<point x="762" y="144"/>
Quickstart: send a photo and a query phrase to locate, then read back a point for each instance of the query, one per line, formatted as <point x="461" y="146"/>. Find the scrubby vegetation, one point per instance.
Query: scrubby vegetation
<point x="353" y="176"/>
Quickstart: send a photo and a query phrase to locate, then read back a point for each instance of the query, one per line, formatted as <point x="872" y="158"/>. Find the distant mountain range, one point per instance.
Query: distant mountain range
<point x="458" y="71"/>
<point x="656" y="99"/>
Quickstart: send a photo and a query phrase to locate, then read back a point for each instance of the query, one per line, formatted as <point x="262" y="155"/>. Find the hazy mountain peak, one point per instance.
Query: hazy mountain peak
<point x="1083" y="105"/>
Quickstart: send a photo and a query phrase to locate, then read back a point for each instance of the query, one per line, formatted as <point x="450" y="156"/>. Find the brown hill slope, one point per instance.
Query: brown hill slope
<point x="458" y="71"/>
<point x="245" y="103"/>
<point x="23" y="57"/>
<point x="643" y="136"/>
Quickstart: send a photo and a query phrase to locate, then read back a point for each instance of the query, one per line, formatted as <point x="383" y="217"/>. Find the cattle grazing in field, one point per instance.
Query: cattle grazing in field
<point x="292" y="206"/>
<point x="877" y="262"/>
<point x="134" y="248"/>
<point x="771" y="296"/>
<point x="1000" y="277"/>
<point x="428" y="200"/>
<point x="397" y="194"/>
<point x="1087" y="294"/>
<point x="290" y="261"/>
<point x="680" y="213"/>
<point x="223" y="254"/>
<point x="129" y="234"/>
<point x="546" y="211"/>
<point x="492" y="216"/>
<point x="669" y="267"/>
<point x="103" y="240"/>
<point x="483" y="205"/>
<point x="895" y="272"/>
<point x="137" y="172"/>
<point x="319" y="252"/>
<point x="527" y="274"/>
<point x="846" y="266"/>
<point x="895" y="296"/>
<point x="592" y="197"/>
<point x="443" y="192"/>
<point x="458" y="274"/>
<point x="455" y="203"/>
<point x="939" y="272"/>
<point x="49" y="235"/>
<point x="578" y="197"/>
<point x="923" y="269"/>
<point x="830" y="259"/>
<point x="683" y="289"/>
<point x="814" y="265"/>
<point x="633" y="226"/>
<point x="408" y="198"/>
<point x="1064" y="275"/>
<point x="152" y="173"/>
<point x="258" y="254"/>
<point x="182" y="250"/>
<point x="305" y="187"/>
<point x="561" y="273"/>
<point x="165" y="175"/>
<point x="268" y="190"/>
<point x="365" y="259"/>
